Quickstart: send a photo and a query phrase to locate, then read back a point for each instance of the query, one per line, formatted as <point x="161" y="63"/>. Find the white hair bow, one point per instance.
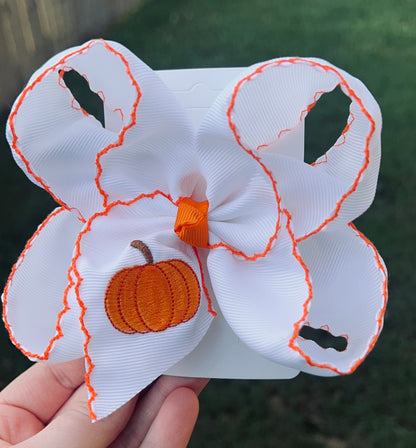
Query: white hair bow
<point x="153" y="210"/>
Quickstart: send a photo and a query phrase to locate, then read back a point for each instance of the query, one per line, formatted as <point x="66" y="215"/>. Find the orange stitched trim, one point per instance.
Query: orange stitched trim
<point x="204" y="286"/>
<point x="117" y="109"/>
<point x="61" y="74"/>
<point x="100" y="93"/>
<point x="351" y="94"/>
<point x="302" y="114"/>
<point x="346" y="129"/>
<point x="191" y="223"/>
<point x="302" y="320"/>
<point x="92" y="392"/>
<point x="59" y="333"/>
<point x="283" y="131"/>
<point x="90" y="365"/>
<point x="152" y="297"/>
<point x="325" y="160"/>
<point x="274" y="236"/>
<point x="78" y="108"/>
<point x="307" y="358"/>
<point x="312" y="105"/>
<point x="62" y="84"/>
<point x="12" y="118"/>
<point x="342" y="142"/>
<point x="383" y="272"/>
<point x="119" y="142"/>
<point x="308" y="324"/>
<point x="121" y="135"/>
<point x="79" y="217"/>
<point x="269" y="174"/>
<point x="326" y="328"/>
<point x="79" y="279"/>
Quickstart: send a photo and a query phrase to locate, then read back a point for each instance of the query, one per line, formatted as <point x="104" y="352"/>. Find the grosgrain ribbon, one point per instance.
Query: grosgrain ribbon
<point x="191" y="224"/>
<point x="151" y="208"/>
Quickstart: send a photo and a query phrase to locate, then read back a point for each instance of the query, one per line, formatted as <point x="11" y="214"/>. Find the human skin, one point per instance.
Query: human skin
<point x="46" y="407"/>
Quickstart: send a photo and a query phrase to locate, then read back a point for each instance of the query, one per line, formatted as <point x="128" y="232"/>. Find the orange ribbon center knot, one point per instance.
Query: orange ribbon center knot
<point x="191" y="224"/>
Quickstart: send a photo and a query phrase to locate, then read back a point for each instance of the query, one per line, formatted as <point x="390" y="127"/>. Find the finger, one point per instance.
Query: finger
<point x="72" y="426"/>
<point x="16" y="425"/>
<point x="43" y="388"/>
<point x="149" y="403"/>
<point x="175" y="421"/>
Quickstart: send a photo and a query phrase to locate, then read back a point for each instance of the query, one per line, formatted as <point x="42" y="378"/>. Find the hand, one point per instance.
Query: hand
<point x="46" y="407"/>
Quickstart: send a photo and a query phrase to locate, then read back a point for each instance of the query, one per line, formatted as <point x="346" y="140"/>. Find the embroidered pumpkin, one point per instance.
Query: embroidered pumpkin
<point x="152" y="297"/>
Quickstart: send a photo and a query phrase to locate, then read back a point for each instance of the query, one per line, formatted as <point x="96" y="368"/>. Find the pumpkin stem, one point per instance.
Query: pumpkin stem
<point x="144" y="249"/>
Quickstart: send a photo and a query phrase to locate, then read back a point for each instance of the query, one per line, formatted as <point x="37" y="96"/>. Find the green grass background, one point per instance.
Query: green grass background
<point x="374" y="40"/>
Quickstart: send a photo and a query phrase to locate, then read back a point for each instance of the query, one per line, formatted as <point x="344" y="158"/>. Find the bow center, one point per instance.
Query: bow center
<point x="191" y="224"/>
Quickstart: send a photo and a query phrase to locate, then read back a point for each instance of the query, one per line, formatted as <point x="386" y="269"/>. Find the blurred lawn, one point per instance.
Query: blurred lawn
<point x="374" y="40"/>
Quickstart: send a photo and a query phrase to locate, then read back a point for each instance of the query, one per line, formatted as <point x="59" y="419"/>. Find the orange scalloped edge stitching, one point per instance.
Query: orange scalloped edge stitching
<point x="351" y="94"/>
<point x="268" y="173"/>
<point x="204" y="286"/>
<point x="45" y="355"/>
<point x="16" y="109"/>
<point x="79" y="279"/>
<point x="380" y="317"/>
<point x="337" y="145"/>
<point x="119" y="141"/>
<point x="304" y="112"/>
<point x="383" y="272"/>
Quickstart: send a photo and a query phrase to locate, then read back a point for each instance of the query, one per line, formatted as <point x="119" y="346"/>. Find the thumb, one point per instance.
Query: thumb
<point x="175" y="421"/>
<point x="72" y="426"/>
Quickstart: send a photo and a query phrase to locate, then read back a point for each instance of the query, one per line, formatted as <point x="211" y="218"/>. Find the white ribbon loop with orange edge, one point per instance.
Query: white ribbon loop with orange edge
<point x="165" y="226"/>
